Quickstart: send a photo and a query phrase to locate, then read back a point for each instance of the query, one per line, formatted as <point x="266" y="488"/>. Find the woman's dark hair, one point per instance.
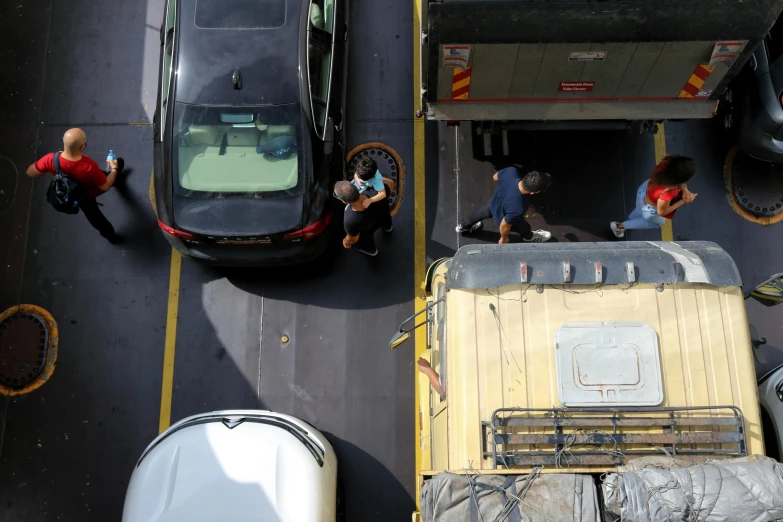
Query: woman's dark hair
<point x="366" y="168"/>
<point x="536" y="181"/>
<point x="673" y="170"/>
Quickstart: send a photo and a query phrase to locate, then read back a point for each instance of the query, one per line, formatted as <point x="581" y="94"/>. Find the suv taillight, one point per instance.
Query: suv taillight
<point x="173" y="231"/>
<point x="309" y="232"/>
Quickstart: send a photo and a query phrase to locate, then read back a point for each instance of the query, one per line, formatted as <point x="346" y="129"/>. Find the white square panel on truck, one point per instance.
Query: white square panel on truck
<point x="608" y="364"/>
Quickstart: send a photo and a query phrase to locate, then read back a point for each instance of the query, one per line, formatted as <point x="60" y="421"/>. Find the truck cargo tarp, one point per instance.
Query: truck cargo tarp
<point x="746" y="488"/>
<point x="538" y="497"/>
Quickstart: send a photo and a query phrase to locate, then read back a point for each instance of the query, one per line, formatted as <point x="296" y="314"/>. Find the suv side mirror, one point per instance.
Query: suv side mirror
<point x="770" y="292"/>
<point x="329" y="137"/>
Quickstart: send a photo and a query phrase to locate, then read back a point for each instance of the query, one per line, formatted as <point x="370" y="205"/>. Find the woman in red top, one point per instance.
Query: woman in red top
<point x="660" y="196"/>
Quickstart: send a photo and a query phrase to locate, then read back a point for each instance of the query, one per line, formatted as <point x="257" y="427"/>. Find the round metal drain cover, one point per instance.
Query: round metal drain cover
<point x="758" y="186"/>
<point x="388" y="165"/>
<point x="24" y="346"/>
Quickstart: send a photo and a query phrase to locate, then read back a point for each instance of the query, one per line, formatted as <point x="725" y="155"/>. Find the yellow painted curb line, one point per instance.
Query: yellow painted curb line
<point x="51" y="351"/>
<point x="728" y="173"/>
<point x="419" y="234"/>
<point x="152" y="193"/>
<point x="659" y="141"/>
<point x="400" y="165"/>
<point x="169" y="347"/>
<point x="167" y="382"/>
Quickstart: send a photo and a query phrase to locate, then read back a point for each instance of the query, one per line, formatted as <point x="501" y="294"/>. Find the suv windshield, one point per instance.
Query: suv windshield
<point x="237" y="150"/>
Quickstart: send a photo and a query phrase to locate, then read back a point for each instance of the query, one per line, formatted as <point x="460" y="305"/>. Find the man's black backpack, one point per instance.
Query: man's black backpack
<point x="64" y="193"/>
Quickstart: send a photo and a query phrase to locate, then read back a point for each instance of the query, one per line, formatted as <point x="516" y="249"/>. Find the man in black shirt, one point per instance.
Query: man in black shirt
<point x="361" y="223"/>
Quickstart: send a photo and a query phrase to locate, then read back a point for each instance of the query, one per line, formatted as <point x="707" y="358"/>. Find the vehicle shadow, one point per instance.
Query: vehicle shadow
<point x="339" y="279"/>
<point x="591" y="182"/>
<point x="772" y="356"/>
<point x="242" y="350"/>
<point x="370" y="489"/>
<point x="440" y="184"/>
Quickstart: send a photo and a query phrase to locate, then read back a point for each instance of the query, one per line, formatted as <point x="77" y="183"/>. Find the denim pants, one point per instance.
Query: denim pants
<point x="644" y="216"/>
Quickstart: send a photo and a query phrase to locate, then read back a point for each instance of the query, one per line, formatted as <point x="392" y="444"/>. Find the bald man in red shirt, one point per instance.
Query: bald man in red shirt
<point x="90" y="176"/>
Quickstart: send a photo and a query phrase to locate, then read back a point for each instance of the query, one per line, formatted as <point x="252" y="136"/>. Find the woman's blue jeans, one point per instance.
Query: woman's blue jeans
<point x="644" y="216"/>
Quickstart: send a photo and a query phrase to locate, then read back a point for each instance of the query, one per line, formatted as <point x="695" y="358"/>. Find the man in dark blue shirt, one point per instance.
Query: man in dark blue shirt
<point x="509" y="204"/>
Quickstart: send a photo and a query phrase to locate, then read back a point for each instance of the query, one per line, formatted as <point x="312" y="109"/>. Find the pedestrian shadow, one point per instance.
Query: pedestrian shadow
<point x="122" y="186"/>
<point x="134" y="198"/>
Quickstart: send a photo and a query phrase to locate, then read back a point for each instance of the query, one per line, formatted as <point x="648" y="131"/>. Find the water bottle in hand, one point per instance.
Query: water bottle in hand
<point x="110" y="157"/>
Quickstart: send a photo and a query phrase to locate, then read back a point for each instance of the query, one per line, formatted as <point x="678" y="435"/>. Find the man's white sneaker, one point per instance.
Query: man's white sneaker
<point x="371" y="253"/>
<point x="539" y="236"/>
<point x="473" y="228"/>
<point x="618" y="232"/>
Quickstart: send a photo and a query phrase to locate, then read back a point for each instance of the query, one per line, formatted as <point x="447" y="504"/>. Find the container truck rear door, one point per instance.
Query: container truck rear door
<point x="586" y="60"/>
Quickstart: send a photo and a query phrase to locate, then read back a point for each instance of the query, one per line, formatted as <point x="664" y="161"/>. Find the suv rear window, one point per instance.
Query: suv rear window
<point x="240" y="14"/>
<point x="251" y="151"/>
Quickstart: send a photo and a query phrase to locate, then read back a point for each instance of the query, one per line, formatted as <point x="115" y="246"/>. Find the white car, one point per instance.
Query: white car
<point x="771" y="398"/>
<point x="235" y="466"/>
<point x="770" y="293"/>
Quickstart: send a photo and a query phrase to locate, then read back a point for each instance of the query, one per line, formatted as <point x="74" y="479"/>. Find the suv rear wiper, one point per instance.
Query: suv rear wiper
<point x="223" y="145"/>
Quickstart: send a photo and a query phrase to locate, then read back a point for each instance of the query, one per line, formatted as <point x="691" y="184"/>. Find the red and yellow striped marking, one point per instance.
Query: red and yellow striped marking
<point x="696" y="81"/>
<point x="460" y="84"/>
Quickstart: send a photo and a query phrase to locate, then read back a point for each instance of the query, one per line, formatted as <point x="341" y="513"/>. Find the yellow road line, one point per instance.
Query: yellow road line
<point x="659" y="140"/>
<point x="167" y="383"/>
<point x="419" y="220"/>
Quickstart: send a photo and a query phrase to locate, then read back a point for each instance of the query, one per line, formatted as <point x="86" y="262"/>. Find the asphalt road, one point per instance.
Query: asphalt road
<point x="67" y="450"/>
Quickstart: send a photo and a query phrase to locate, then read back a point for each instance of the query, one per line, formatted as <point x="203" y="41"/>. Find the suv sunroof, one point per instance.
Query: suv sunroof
<point x="240" y="14"/>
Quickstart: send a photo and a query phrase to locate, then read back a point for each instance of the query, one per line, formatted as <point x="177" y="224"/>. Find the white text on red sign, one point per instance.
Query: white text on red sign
<point x="576" y="86"/>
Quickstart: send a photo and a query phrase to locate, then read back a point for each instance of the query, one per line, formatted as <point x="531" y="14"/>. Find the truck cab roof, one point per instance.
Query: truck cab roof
<point x="526" y="341"/>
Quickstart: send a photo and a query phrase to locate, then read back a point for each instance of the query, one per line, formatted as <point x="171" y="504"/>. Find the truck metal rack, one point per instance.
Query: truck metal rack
<point x="564" y="437"/>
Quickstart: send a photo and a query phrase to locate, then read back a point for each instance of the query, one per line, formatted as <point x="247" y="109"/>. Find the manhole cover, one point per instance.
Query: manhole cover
<point x="388" y="165"/>
<point x="24" y="343"/>
<point x="758" y="186"/>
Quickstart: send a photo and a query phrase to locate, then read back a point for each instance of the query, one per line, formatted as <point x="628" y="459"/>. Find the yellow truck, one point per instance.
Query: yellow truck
<point x="594" y="379"/>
